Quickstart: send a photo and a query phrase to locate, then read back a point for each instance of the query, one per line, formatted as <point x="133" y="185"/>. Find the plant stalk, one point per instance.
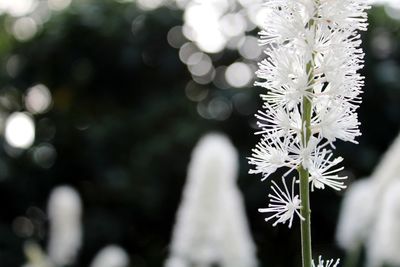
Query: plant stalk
<point x="304" y="179"/>
<point x="305" y="203"/>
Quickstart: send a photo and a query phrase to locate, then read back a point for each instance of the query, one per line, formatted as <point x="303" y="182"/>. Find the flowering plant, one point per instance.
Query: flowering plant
<point x="311" y="73"/>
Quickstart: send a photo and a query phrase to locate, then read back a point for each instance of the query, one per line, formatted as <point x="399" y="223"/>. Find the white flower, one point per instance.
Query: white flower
<point x="328" y="263"/>
<point x="363" y="208"/>
<point x="65" y="234"/>
<point x="313" y="56"/>
<point x="283" y="204"/>
<point x="35" y="256"/>
<point x="383" y="245"/>
<point x="269" y="155"/>
<point x="338" y="123"/>
<point x="388" y="168"/>
<point x="279" y="122"/>
<point x="285" y="75"/>
<point x="111" y="256"/>
<point x="344" y="14"/>
<point x="211" y="225"/>
<point x="357" y="214"/>
<point x="321" y="172"/>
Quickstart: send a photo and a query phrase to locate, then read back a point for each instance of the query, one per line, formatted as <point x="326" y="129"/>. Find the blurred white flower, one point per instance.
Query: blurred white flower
<point x="383" y="245"/>
<point x="211" y="226"/>
<point x="35" y="256"/>
<point x="65" y="233"/>
<point x="388" y="168"/>
<point x="111" y="256"/>
<point x="364" y="198"/>
<point x="357" y="215"/>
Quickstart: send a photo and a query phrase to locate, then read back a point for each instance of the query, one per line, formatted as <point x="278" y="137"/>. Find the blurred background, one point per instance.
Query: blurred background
<point x="110" y="97"/>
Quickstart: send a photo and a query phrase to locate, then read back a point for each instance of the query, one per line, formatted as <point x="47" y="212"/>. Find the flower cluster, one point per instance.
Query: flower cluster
<point x="311" y="74"/>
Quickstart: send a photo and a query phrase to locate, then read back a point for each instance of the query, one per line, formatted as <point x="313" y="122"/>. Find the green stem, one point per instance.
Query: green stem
<point x="306" y="249"/>
<point x="306" y="223"/>
<point x="305" y="189"/>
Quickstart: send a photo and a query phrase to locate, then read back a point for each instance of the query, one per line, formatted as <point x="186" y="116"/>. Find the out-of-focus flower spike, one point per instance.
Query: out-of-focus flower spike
<point x="356" y="215"/>
<point x="383" y="244"/>
<point x="211" y="225"/>
<point x="111" y="256"/>
<point x="65" y="234"/>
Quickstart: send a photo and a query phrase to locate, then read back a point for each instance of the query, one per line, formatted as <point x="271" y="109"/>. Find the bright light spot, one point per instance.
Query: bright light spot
<point x="203" y="31"/>
<point x="38" y="99"/>
<point x="44" y="155"/>
<point x="149" y="4"/>
<point x="23" y="227"/>
<point x="391" y="3"/>
<point x="201" y="66"/>
<point x="202" y="109"/>
<point x="393" y="12"/>
<point x="247" y="3"/>
<point x="233" y="24"/>
<point x="235" y="42"/>
<point x="238" y="74"/>
<point x="194" y="58"/>
<point x="257" y="14"/>
<point x="195" y="92"/>
<point x="220" y="108"/>
<point x="13" y="65"/>
<point x="249" y="48"/>
<point x="24" y="28"/>
<point x="186" y="51"/>
<point x="213" y="42"/>
<point x="221" y="6"/>
<point x="20" y="130"/>
<point x="205" y="79"/>
<point x="218" y="24"/>
<point x="182" y="3"/>
<point x="175" y="37"/>
<point x="18" y="8"/>
<point x="58" y="5"/>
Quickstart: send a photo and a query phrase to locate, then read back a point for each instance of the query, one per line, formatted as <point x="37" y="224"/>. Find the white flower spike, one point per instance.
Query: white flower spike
<point x="211" y="225"/>
<point x="65" y="233"/>
<point x="313" y="86"/>
<point x="283" y="204"/>
<point x="356" y="217"/>
<point x="328" y="263"/>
